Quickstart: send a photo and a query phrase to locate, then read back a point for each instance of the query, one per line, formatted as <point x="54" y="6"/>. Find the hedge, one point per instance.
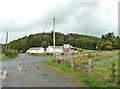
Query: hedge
<point x="11" y="53"/>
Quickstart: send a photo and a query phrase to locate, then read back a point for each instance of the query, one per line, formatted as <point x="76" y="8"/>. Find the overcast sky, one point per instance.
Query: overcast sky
<point x="24" y="17"/>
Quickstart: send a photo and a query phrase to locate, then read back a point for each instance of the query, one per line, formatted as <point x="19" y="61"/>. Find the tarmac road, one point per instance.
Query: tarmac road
<point x="28" y="71"/>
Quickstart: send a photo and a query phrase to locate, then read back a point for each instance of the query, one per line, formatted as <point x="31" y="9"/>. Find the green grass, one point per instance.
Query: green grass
<point x="108" y="64"/>
<point x="106" y="74"/>
<point x="105" y="55"/>
<point x="85" y="81"/>
<point x="65" y="68"/>
<point x="3" y="57"/>
<point x="96" y="56"/>
<point x="94" y="82"/>
<point x="0" y="56"/>
<point x="62" y="67"/>
<point x="80" y="74"/>
<point x="39" y="54"/>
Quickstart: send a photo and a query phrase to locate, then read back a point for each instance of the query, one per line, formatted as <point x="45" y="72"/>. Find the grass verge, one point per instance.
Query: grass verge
<point x="87" y="81"/>
<point x="3" y="57"/>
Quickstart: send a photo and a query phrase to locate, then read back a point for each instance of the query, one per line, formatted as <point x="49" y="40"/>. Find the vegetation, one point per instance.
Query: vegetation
<point x="99" y="78"/>
<point x="86" y="81"/>
<point x="106" y="42"/>
<point x="0" y="56"/>
<point x="40" y="54"/>
<point x="62" y="67"/>
<point x="8" y="54"/>
<point x="108" y="65"/>
<point x="11" y="53"/>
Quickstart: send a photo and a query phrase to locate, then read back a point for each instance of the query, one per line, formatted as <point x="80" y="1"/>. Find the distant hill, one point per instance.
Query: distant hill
<point x="46" y="39"/>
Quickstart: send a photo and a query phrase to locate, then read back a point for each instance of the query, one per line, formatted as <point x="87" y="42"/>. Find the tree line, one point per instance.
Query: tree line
<point x="106" y="42"/>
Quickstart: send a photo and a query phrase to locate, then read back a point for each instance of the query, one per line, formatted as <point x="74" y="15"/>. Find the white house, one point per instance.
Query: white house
<point x="68" y="48"/>
<point x="35" y="50"/>
<point x="58" y="49"/>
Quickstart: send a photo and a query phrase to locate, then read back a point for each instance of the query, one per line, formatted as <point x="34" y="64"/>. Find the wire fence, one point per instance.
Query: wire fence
<point x="88" y="67"/>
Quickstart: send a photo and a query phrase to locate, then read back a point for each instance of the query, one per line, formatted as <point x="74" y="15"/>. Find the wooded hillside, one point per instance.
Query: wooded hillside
<point x="107" y="41"/>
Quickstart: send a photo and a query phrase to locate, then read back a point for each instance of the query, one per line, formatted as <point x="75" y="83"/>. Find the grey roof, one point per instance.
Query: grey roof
<point x="67" y="46"/>
<point x="57" y="47"/>
<point x="35" y="48"/>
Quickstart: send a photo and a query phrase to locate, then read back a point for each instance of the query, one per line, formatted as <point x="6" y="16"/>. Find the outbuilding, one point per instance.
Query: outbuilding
<point x="35" y="50"/>
<point x="58" y="49"/>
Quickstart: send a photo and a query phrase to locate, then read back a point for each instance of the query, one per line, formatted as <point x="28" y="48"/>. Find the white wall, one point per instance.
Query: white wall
<point x="41" y="50"/>
<point x="51" y="50"/>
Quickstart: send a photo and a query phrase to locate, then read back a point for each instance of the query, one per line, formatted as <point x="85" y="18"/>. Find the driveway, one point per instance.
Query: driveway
<point x="29" y="71"/>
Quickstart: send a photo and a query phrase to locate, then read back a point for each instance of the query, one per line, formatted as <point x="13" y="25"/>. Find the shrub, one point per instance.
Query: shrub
<point x="32" y="53"/>
<point x="108" y="47"/>
<point x="8" y="53"/>
<point x="62" y="53"/>
<point x="11" y="53"/>
<point x="49" y="53"/>
<point x="15" y="52"/>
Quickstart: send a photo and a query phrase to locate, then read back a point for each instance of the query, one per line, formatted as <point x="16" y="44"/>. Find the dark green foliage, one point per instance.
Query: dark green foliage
<point x="11" y="53"/>
<point x="76" y="40"/>
<point x="49" y="54"/>
<point x="108" y="47"/>
<point x="62" y="53"/>
<point x="99" y="84"/>
<point x="92" y="82"/>
<point x="109" y="42"/>
<point x="8" y="53"/>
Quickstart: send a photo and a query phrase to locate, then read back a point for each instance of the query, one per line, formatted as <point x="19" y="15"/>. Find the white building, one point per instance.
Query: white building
<point x="58" y="49"/>
<point x="67" y="46"/>
<point x="35" y="50"/>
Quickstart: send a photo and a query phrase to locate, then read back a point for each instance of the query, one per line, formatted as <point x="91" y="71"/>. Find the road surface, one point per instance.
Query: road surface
<point x="28" y="71"/>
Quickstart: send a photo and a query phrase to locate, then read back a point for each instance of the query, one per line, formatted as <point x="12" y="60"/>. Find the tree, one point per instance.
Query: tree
<point x="107" y="41"/>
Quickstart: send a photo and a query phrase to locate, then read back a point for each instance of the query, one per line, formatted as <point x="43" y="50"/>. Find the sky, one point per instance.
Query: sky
<point x="90" y="17"/>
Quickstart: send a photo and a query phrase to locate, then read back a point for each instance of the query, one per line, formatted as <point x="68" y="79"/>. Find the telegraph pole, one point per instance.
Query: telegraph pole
<point x="6" y="39"/>
<point x="54" y="35"/>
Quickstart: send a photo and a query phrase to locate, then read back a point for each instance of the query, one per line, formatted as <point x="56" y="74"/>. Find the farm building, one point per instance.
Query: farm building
<point x="68" y="48"/>
<point x="58" y="49"/>
<point x="35" y="50"/>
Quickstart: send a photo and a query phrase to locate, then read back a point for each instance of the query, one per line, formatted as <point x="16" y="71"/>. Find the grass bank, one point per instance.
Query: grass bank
<point x="8" y="54"/>
<point x="3" y="57"/>
<point x="40" y="54"/>
<point x="87" y="81"/>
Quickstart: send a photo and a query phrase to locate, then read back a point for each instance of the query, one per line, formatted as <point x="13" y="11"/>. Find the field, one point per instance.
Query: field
<point x="98" y="75"/>
<point x="3" y="57"/>
<point x="0" y="56"/>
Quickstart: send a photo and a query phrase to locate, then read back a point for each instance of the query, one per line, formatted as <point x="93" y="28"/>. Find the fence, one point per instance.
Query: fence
<point x="88" y="67"/>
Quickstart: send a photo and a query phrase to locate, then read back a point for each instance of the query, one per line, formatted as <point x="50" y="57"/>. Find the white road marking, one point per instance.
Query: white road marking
<point x="3" y="74"/>
<point x="19" y="68"/>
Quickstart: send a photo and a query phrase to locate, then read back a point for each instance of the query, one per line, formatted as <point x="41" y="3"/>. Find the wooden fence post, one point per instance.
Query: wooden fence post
<point x="113" y="71"/>
<point x="72" y="62"/>
<point x="89" y="66"/>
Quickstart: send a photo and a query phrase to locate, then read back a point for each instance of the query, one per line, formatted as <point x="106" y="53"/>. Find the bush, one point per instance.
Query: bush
<point x="108" y="47"/>
<point x="11" y="53"/>
<point x="8" y="53"/>
<point x="32" y="53"/>
<point x="15" y="52"/>
<point x="62" y="53"/>
<point x="49" y="53"/>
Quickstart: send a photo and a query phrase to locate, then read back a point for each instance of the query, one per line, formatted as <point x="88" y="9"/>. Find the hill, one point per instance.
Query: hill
<point x="45" y="39"/>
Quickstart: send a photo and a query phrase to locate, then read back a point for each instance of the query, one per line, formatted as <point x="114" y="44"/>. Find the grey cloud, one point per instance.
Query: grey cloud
<point x="79" y="17"/>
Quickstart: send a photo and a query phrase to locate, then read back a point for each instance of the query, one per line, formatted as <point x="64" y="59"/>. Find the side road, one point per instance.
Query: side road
<point x="28" y="71"/>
